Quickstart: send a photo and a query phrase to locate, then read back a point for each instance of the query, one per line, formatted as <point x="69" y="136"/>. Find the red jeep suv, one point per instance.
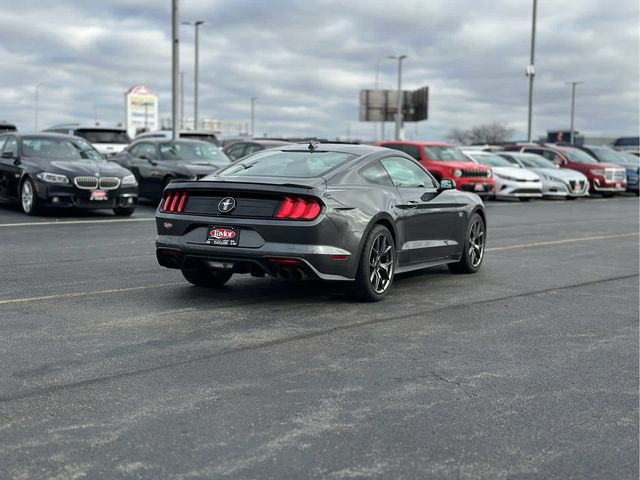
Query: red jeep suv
<point x="448" y="161"/>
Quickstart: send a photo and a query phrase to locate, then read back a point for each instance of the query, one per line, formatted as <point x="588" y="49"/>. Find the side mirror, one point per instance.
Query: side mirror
<point x="447" y="184"/>
<point x="146" y="157"/>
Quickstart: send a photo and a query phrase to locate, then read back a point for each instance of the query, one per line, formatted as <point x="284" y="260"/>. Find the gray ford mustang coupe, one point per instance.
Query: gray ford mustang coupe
<point x="353" y="213"/>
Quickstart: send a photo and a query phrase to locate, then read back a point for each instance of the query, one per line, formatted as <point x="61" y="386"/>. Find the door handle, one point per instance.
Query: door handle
<point x="412" y="204"/>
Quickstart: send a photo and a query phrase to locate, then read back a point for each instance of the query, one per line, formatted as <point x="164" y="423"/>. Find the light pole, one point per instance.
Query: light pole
<point x="253" y="111"/>
<point x="531" y="71"/>
<point x="175" y="67"/>
<point x="377" y="85"/>
<point x="196" y="26"/>
<point x="181" y="100"/>
<point x="573" y="107"/>
<point x="399" y="132"/>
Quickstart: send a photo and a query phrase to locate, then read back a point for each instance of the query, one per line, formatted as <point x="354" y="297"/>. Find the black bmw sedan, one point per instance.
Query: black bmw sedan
<point x="351" y="213"/>
<point x="50" y="169"/>
<point x="157" y="161"/>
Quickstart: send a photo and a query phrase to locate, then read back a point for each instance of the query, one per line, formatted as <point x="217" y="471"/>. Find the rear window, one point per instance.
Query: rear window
<point x="276" y="163"/>
<point x="104" y="136"/>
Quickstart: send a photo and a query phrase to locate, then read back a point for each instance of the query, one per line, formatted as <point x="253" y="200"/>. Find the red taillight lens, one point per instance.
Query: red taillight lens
<point x="286" y="208"/>
<point x="298" y="209"/>
<point x="175" y="202"/>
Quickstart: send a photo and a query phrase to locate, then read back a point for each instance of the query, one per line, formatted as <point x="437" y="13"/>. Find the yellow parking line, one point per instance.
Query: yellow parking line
<point x="73" y="222"/>
<point x="87" y="294"/>
<point x="559" y="242"/>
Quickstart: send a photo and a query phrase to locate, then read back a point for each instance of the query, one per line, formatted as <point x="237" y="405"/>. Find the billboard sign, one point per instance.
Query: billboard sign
<point x="381" y="105"/>
<point x="141" y="110"/>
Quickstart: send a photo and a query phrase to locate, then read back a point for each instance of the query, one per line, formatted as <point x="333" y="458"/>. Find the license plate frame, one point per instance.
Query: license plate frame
<point x="98" y="195"/>
<point x="478" y="187"/>
<point x="222" y="239"/>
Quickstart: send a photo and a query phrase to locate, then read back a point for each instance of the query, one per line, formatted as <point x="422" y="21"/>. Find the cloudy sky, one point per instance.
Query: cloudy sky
<point x="307" y="60"/>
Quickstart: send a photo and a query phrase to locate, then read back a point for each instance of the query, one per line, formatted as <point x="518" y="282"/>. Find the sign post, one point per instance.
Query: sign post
<point x="141" y="110"/>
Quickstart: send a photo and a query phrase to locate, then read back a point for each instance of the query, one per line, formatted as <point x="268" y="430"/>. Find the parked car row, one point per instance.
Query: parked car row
<point x="526" y="171"/>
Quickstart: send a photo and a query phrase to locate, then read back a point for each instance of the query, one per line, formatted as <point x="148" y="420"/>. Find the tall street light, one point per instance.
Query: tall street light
<point x="573" y="107"/>
<point x="399" y="133"/>
<point x="196" y="26"/>
<point x="531" y="71"/>
<point x="175" y="67"/>
<point x="253" y="111"/>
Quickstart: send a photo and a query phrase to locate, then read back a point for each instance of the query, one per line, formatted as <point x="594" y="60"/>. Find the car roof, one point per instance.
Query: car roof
<point x="169" y="140"/>
<point x="78" y="126"/>
<point x="355" y="149"/>
<point x="41" y="134"/>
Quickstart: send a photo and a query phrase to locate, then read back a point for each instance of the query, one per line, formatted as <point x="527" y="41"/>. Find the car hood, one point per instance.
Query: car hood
<point x="463" y="165"/>
<point x="517" y="173"/>
<point x="83" y="167"/>
<point x="561" y="173"/>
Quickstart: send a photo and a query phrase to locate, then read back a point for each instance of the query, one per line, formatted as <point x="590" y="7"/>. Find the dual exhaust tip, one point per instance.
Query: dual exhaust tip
<point x="290" y="273"/>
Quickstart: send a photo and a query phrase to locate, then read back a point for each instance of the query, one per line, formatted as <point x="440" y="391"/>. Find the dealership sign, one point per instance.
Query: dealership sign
<point x="141" y="110"/>
<point x="382" y="105"/>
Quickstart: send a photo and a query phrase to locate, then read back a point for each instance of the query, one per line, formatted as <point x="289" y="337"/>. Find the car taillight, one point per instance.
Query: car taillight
<point x="296" y="208"/>
<point x="175" y="202"/>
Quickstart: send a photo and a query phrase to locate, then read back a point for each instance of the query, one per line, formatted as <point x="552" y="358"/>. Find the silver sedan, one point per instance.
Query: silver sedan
<point x="556" y="182"/>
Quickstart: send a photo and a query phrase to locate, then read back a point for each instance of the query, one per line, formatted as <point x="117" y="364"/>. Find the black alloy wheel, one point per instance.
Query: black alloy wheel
<point x="473" y="253"/>
<point x="374" y="276"/>
<point x="203" y="277"/>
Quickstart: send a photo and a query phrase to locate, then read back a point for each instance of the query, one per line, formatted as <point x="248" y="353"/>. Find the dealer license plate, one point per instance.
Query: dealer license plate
<point x="223" y="236"/>
<point x="99" y="195"/>
<point x="479" y="187"/>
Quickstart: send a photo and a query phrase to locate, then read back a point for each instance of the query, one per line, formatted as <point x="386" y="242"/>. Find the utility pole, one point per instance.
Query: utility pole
<point x="253" y="111"/>
<point x="175" y="66"/>
<point x="196" y="26"/>
<point x="573" y="109"/>
<point x="377" y="85"/>
<point x="399" y="129"/>
<point x="531" y="71"/>
<point x="181" y="100"/>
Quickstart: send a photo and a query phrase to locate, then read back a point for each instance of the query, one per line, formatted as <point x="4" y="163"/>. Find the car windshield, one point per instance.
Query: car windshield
<point x="630" y="158"/>
<point x="445" y="154"/>
<point x="278" y="163"/>
<point x="578" y="156"/>
<point x="205" y="137"/>
<point x="606" y="154"/>
<point x="59" y="149"/>
<point x="491" y="160"/>
<point x="536" y="161"/>
<point x="194" y="152"/>
<point x="104" y="136"/>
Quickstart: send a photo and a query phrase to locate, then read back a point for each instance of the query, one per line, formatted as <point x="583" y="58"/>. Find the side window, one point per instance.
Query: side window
<point x="407" y="174"/>
<point x="144" y="149"/>
<point x="11" y="145"/>
<point x="376" y="174"/>
<point x="236" y="151"/>
<point x="553" y="156"/>
<point x="408" y="149"/>
<point x="252" y="148"/>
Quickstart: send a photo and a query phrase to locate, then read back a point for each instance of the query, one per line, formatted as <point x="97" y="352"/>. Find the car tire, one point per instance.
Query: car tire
<point x="524" y="199"/>
<point x="475" y="241"/>
<point x="376" y="267"/>
<point x="124" y="211"/>
<point x="29" y="201"/>
<point x="206" y="278"/>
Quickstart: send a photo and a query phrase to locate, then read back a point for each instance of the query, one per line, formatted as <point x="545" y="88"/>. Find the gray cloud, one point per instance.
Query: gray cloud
<point x="306" y="61"/>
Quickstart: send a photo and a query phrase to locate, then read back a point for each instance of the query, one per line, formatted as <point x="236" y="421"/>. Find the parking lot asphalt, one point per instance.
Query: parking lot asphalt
<point x="113" y="367"/>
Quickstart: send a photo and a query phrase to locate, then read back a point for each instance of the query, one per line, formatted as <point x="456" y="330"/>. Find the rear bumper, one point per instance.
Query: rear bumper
<point x="265" y="247"/>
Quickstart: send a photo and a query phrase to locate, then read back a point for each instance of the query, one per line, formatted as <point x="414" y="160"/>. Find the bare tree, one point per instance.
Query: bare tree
<point x="490" y="133"/>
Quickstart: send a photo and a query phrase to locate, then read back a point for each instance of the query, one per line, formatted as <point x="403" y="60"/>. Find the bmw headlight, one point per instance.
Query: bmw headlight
<point x="457" y="172"/>
<point x="52" y="177"/>
<point x="129" y="180"/>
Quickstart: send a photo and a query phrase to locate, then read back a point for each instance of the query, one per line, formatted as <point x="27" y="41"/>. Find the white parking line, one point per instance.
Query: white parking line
<point x="87" y="294"/>
<point x="560" y="242"/>
<point x="74" y="222"/>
